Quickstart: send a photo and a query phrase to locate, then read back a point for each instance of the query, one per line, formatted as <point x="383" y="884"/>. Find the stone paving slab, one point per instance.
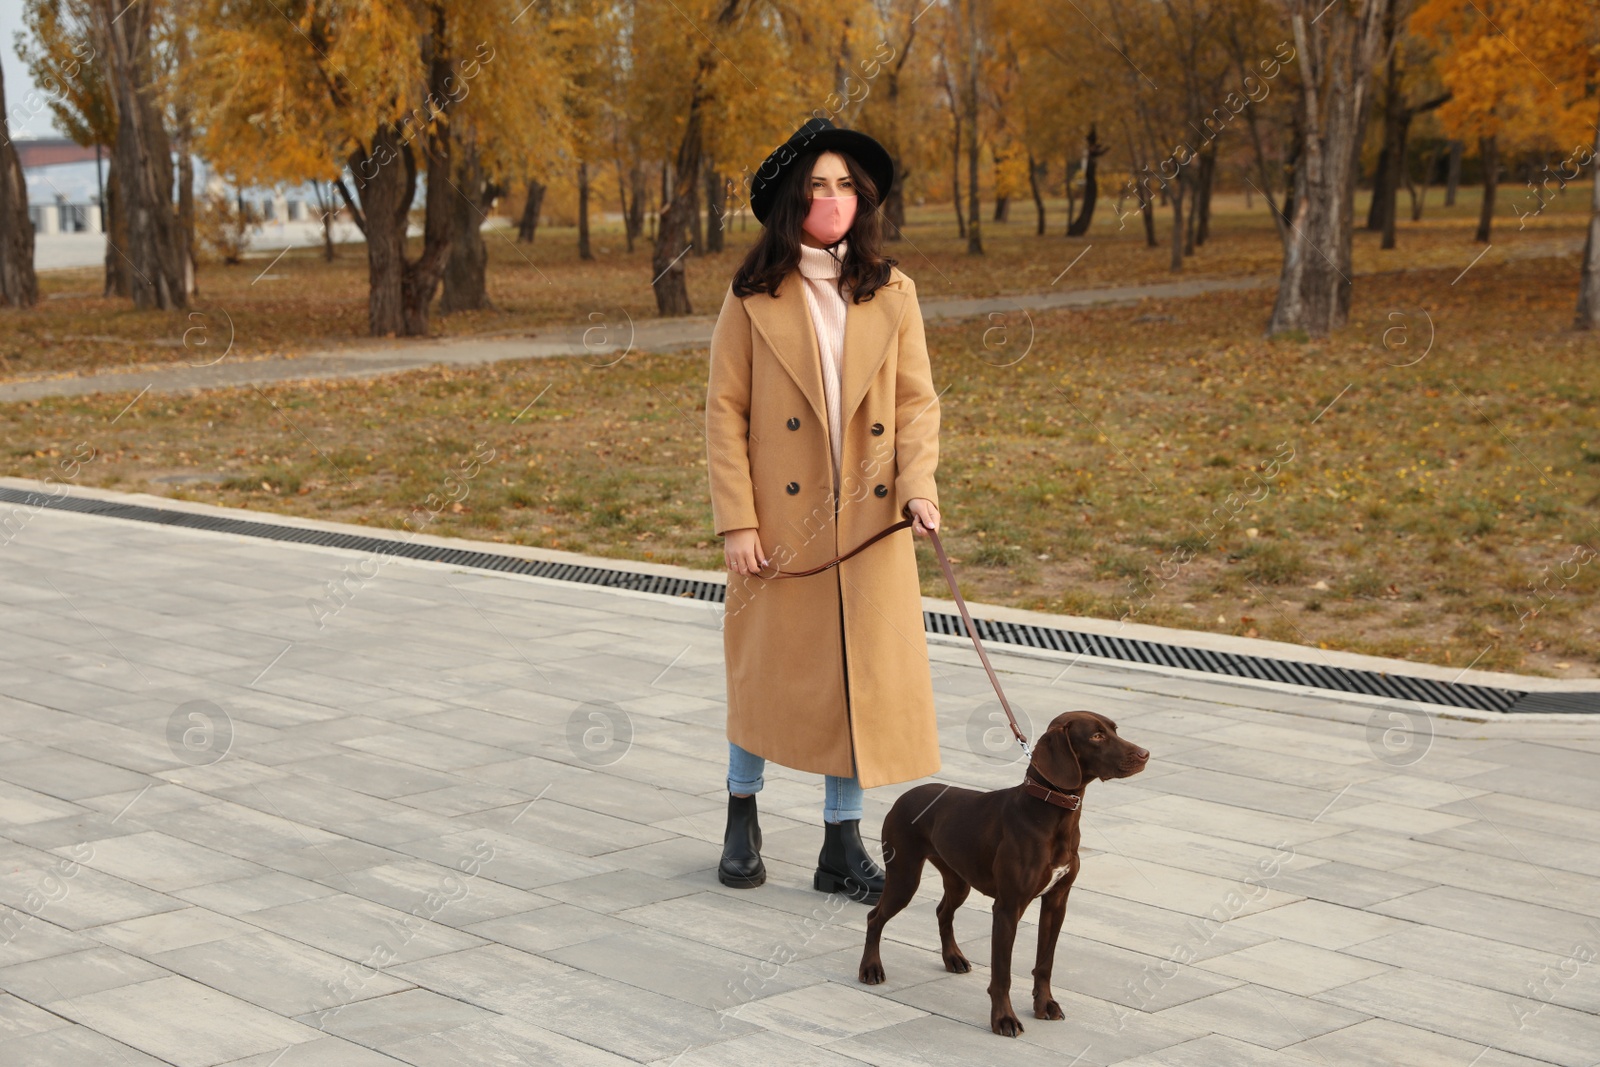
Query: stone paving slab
<point x="388" y="842"/>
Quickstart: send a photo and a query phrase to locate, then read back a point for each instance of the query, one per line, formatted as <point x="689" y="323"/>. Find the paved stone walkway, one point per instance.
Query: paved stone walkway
<point x="473" y="819"/>
<point x="603" y="345"/>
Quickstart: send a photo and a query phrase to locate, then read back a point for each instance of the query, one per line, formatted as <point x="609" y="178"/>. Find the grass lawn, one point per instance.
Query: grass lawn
<point x="1162" y="462"/>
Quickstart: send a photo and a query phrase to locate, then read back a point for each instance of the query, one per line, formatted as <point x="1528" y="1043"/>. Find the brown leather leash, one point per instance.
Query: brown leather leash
<point x="955" y="591"/>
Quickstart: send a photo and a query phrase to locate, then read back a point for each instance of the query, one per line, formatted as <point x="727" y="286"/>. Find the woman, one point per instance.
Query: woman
<point x="822" y="428"/>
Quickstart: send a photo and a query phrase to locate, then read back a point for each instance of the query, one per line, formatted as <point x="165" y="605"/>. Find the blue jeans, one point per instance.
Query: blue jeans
<point x="841" y="796"/>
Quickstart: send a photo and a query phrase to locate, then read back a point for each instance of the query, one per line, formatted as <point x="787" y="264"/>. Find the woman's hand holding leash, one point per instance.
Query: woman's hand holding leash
<point x="924" y="515"/>
<point x="742" y="549"/>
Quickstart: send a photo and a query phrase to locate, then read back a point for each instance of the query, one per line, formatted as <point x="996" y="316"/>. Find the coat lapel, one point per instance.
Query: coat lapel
<point x="785" y="323"/>
<point x="868" y="329"/>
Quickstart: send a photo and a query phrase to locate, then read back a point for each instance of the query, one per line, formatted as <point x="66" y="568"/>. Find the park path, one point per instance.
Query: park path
<point x="582" y="339"/>
<point x="218" y="809"/>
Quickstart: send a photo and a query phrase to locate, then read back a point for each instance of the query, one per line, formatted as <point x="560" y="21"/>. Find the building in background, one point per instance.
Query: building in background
<point x="65" y="184"/>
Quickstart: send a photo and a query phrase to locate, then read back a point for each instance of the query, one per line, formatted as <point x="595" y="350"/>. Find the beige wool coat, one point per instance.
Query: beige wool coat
<point x="828" y="673"/>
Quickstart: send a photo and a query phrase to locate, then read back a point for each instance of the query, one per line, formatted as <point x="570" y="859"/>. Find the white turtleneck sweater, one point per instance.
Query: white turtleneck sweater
<point x="820" y="270"/>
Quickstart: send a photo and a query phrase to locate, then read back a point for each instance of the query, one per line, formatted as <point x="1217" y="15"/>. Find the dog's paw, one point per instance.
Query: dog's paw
<point x="1005" y="1024"/>
<point x="956" y="963"/>
<point x="870" y="973"/>
<point x="1049" y="1009"/>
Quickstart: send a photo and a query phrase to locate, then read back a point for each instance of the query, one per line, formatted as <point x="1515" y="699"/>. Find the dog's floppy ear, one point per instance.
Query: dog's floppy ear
<point x="1054" y="759"/>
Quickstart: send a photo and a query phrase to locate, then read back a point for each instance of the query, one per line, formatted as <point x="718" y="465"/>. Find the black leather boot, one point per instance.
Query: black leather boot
<point x="845" y="866"/>
<point x="741" y="865"/>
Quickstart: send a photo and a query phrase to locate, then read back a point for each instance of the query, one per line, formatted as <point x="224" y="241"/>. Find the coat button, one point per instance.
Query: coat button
<point x="877" y="429"/>
<point x="794" y="424"/>
<point x="882" y="490"/>
<point x="794" y="487"/>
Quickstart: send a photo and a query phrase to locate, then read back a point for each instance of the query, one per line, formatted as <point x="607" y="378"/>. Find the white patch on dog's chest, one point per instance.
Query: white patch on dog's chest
<point x="1055" y="876"/>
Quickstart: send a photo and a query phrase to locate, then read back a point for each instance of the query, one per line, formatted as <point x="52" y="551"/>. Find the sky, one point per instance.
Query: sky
<point x="75" y="181"/>
<point x="18" y="84"/>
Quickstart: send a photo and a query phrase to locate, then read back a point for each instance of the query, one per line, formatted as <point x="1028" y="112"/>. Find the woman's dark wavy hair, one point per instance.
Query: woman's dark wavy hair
<point x="777" y="251"/>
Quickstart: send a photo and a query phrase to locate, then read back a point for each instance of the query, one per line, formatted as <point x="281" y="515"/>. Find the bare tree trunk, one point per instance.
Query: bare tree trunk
<point x="955" y="149"/>
<point x="716" y="210"/>
<point x="1337" y="49"/>
<point x="185" y="127"/>
<point x="1392" y="163"/>
<point x="974" y="218"/>
<point x="636" y="209"/>
<point x="1206" y="181"/>
<point x="1002" y="201"/>
<point x="1091" y="186"/>
<point x="326" y="211"/>
<point x="671" y="288"/>
<point x="1380" y="174"/>
<point x="1453" y="174"/>
<point x="465" y="281"/>
<point x="144" y="162"/>
<point x="1380" y="212"/>
<point x="1175" y="194"/>
<point x="1489" y="149"/>
<point x="1297" y="150"/>
<point x="1072" y="166"/>
<point x="186" y="205"/>
<point x="529" y="225"/>
<point x="694" y="219"/>
<point x="1036" y="172"/>
<point x="1398" y="133"/>
<point x="19" y="286"/>
<point x="386" y="180"/>
<point x="894" y="207"/>
<point x="423" y="274"/>
<point x="1588" y="317"/>
<point x="584" y="251"/>
<point x="955" y="180"/>
<point x="622" y="195"/>
<point x="117" y="268"/>
<point x="400" y="290"/>
<point x="1148" y="214"/>
<point x="1419" y="191"/>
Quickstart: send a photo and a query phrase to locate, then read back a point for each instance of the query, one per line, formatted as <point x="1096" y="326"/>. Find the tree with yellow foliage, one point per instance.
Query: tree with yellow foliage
<point x="725" y="82"/>
<point x="372" y="96"/>
<point x="1525" y="72"/>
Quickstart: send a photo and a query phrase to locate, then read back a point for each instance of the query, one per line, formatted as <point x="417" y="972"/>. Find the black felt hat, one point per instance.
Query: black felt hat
<point x="819" y="135"/>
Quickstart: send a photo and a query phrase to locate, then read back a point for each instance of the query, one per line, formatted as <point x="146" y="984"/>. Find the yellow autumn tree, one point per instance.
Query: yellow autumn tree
<point x="1517" y="73"/>
<point x="374" y="97"/>
<point x="1526" y="71"/>
<point x="728" y="81"/>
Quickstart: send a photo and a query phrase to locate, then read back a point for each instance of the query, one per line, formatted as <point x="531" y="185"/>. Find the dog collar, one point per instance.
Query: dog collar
<point x="1070" y="801"/>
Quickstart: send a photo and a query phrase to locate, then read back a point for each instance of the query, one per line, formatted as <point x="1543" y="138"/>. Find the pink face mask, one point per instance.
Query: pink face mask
<point x="830" y="217"/>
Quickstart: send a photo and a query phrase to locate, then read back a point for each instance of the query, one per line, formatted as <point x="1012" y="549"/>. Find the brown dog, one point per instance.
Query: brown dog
<point x="1012" y="844"/>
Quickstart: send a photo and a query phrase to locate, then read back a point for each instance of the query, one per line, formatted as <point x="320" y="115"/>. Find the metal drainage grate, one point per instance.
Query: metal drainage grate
<point x="1315" y="675"/>
<point x="1102" y="646"/>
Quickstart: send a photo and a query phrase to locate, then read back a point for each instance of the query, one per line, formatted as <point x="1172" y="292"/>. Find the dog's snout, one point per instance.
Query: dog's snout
<point x="1134" y="760"/>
